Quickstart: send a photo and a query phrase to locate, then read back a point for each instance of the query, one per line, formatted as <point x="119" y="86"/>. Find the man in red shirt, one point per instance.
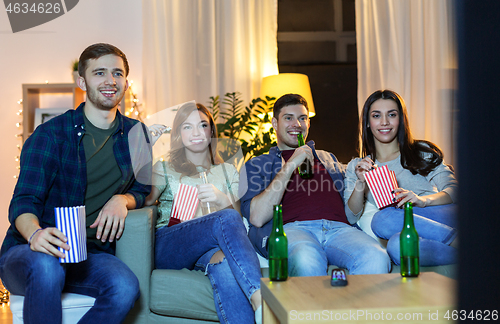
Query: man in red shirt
<point x="318" y="231"/>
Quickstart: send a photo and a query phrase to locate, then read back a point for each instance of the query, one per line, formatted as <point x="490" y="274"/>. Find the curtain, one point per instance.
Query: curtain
<point x="409" y="46"/>
<point x="194" y="49"/>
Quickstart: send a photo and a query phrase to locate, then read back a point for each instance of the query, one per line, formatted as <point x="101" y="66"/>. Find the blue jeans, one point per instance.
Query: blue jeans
<point x="40" y="278"/>
<point x="436" y="227"/>
<point x="191" y="244"/>
<point x="313" y="245"/>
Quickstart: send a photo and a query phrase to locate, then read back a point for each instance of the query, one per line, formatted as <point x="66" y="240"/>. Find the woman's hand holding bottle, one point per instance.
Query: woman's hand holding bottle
<point x="208" y="193"/>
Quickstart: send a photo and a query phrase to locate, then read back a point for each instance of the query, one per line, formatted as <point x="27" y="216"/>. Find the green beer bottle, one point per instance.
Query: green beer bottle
<point x="305" y="169"/>
<point x="409" y="248"/>
<point x="278" y="248"/>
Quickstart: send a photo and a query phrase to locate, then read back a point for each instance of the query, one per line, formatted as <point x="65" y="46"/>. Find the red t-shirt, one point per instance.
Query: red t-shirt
<point x="312" y="199"/>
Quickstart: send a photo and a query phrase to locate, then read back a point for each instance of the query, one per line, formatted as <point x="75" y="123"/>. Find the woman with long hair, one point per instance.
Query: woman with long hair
<point x="423" y="179"/>
<point x="216" y="242"/>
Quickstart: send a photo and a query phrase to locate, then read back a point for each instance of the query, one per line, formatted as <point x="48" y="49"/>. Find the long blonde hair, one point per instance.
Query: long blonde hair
<point x="177" y="155"/>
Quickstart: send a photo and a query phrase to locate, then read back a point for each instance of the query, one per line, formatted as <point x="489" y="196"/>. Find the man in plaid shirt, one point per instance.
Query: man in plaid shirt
<point x="83" y="157"/>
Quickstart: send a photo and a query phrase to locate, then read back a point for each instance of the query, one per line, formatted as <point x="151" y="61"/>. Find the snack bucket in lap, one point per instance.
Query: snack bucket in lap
<point x="71" y="222"/>
<point x="382" y="182"/>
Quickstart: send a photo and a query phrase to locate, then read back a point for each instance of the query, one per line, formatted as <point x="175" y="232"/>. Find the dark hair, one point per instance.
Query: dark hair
<point x="412" y="151"/>
<point x="177" y="155"/>
<point x="95" y="51"/>
<point x="288" y="100"/>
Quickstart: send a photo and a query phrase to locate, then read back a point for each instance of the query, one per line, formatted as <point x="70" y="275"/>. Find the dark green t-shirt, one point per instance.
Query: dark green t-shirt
<point x="103" y="175"/>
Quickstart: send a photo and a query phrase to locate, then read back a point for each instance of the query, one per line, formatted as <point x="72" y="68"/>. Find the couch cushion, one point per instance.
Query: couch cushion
<point x="182" y="293"/>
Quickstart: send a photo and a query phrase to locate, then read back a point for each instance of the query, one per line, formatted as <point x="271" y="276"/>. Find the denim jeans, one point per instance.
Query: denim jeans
<point x="313" y="245"/>
<point x="436" y="227"/>
<point x="191" y="244"/>
<point x="40" y="278"/>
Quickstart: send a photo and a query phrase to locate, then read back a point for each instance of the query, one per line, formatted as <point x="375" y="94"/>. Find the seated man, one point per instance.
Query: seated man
<point x="80" y="158"/>
<point x="315" y="223"/>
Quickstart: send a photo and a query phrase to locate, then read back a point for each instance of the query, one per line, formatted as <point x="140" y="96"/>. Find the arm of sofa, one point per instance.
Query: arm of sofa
<point x="136" y="249"/>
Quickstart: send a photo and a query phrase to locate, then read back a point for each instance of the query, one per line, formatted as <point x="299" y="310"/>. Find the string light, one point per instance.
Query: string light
<point x="16" y="158"/>
<point x="4" y="295"/>
<point x="135" y="108"/>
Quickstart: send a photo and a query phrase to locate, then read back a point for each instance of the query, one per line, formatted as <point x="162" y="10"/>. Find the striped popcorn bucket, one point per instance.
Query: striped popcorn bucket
<point x="71" y="222"/>
<point x="185" y="203"/>
<point x="382" y="182"/>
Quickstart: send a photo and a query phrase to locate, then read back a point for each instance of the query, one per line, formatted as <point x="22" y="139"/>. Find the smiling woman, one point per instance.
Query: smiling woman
<point x="188" y="236"/>
<point x="195" y="132"/>
<point x="384" y="121"/>
<point x="422" y="176"/>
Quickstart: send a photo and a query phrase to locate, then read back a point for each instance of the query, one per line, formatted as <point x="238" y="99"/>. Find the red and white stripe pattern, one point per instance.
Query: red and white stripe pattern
<point x="382" y="182"/>
<point x="185" y="202"/>
<point x="71" y="222"/>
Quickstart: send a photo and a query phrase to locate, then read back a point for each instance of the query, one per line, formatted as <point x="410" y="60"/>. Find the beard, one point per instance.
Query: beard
<point x="101" y="102"/>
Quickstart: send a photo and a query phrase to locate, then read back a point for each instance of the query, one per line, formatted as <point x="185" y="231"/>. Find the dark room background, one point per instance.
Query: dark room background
<point x="318" y="38"/>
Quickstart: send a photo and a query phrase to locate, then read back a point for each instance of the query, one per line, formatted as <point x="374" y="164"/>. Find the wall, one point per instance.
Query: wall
<point x="318" y="38"/>
<point x="45" y="53"/>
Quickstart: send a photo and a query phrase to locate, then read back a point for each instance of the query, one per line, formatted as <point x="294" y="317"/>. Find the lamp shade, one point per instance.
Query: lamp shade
<point x="284" y="83"/>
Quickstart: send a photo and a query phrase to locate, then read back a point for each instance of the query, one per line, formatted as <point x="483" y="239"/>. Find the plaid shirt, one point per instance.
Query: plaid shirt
<point x="54" y="172"/>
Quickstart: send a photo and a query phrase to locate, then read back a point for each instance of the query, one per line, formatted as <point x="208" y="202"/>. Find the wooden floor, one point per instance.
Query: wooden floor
<point x="5" y="313"/>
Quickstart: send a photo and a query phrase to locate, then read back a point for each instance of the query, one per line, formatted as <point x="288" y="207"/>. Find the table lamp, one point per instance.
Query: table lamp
<point x="284" y="83"/>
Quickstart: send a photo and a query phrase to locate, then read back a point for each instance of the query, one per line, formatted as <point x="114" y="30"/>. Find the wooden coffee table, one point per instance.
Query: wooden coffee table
<point x="366" y="298"/>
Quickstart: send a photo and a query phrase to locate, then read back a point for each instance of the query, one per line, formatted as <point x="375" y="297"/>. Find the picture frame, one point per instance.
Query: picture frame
<point x="43" y="115"/>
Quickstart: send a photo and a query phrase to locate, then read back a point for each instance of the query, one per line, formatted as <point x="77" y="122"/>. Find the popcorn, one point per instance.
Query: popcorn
<point x="71" y="222"/>
<point x="382" y="182"/>
<point x="185" y="202"/>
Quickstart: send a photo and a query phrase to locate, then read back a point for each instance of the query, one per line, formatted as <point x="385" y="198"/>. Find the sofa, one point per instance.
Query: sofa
<point x="176" y="296"/>
<point x="167" y="296"/>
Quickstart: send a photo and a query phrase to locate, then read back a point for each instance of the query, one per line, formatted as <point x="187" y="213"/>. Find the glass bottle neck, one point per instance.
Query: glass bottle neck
<point x="409" y="217"/>
<point x="278" y="219"/>
<point x="300" y="139"/>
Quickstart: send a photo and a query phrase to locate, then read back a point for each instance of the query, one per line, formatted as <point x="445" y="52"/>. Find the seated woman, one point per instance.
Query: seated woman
<point x="422" y="177"/>
<point x="216" y="243"/>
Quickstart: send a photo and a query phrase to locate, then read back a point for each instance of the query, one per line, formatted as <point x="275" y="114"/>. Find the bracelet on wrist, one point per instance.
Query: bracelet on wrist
<point x="31" y="237"/>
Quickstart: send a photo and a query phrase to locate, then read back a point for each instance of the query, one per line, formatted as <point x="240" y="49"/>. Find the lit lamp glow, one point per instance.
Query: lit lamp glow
<point x="284" y="83"/>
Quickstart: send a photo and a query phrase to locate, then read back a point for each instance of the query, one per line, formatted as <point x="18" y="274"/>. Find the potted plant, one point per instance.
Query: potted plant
<point x="249" y="126"/>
